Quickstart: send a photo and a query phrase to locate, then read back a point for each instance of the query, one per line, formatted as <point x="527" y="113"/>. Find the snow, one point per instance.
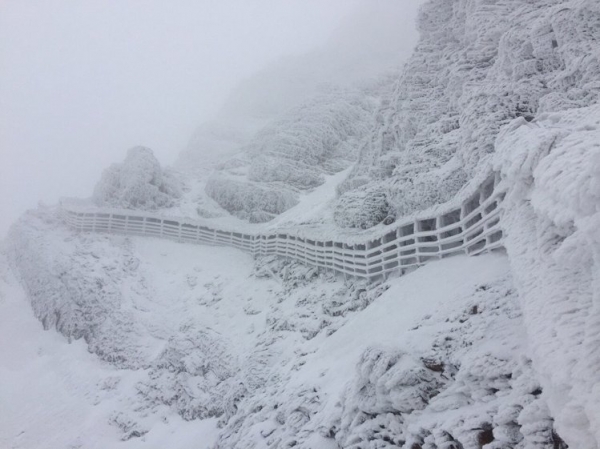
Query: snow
<point x="58" y="395"/>
<point x="552" y="222"/>
<point x="162" y="344"/>
<point x="407" y="300"/>
<point x="276" y="351"/>
<point x="313" y="207"/>
<point x="137" y="183"/>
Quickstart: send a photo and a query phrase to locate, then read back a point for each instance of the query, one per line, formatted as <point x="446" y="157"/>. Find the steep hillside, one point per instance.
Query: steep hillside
<point x="281" y="354"/>
<point x="292" y="155"/>
<point x="421" y="134"/>
<point x="298" y="120"/>
<point x="478" y="65"/>
<point x="346" y="59"/>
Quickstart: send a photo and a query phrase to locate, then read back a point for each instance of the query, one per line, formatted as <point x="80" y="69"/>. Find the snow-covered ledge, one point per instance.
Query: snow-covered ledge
<point x="471" y="227"/>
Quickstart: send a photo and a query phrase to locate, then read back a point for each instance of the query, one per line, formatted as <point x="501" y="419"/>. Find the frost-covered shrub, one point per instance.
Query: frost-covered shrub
<point x="425" y="189"/>
<point x="137" y="183"/>
<point x="393" y="381"/>
<point x="73" y="284"/>
<point x="191" y="374"/>
<point x="351" y="183"/>
<point x="251" y="201"/>
<point x="362" y="208"/>
<point x="265" y="169"/>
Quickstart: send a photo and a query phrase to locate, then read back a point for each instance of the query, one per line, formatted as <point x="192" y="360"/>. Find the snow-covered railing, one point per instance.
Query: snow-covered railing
<point x="471" y="228"/>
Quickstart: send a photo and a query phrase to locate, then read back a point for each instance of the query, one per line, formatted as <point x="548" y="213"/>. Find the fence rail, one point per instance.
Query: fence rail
<point x="471" y="228"/>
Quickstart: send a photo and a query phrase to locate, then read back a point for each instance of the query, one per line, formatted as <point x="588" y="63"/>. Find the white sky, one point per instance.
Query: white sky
<point x="83" y="81"/>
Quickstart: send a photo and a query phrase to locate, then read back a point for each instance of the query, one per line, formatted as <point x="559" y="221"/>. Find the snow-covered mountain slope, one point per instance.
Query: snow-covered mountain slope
<point x="425" y="131"/>
<point x="59" y="395"/>
<point x="300" y="119"/>
<point x="478" y="65"/>
<point x="292" y="155"/>
<point x="280" y="353"/>
<point x="348" y="58"/>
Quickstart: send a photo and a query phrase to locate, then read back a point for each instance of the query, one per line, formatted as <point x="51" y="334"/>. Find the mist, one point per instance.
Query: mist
<point x="81" y="82"/>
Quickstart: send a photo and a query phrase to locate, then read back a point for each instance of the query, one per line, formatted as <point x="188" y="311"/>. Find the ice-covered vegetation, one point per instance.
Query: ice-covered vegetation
<point x="363" y="207"/>
<point x="291" y="154"/>
<point x="139" y="182"/>
<point x="250" y="201"/>
<point x="477" y="66"/>
<point x="347" y="59"/>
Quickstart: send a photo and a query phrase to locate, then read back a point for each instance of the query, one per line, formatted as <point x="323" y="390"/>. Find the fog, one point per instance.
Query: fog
<point x="81" y="82"/>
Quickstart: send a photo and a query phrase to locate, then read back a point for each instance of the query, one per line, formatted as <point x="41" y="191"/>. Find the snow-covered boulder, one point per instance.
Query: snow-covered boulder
<point x="139" y="182"/>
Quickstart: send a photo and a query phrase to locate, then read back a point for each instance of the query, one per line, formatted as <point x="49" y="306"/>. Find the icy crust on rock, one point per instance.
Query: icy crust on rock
<point x="139" y="182"/>
<point x="478" y="65"/>
<point x="293" y="153"/>
<point x="552" y="218"/>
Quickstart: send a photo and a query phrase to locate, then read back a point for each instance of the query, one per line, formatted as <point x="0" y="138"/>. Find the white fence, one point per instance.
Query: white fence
<point x="471" y="228"/>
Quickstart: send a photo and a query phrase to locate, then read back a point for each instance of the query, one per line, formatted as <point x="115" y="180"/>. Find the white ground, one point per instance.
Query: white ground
<point x="57" y="395"/>
<point x="51" y="394"/>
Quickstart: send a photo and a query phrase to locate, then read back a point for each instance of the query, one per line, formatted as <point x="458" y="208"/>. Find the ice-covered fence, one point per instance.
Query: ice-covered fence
<point x="472" y="228"/>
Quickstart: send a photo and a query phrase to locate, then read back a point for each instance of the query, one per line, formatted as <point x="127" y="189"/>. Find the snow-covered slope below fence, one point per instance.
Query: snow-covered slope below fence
<point x="58" y="395"/>
<point x="280" y="353"/>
